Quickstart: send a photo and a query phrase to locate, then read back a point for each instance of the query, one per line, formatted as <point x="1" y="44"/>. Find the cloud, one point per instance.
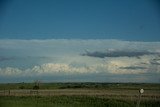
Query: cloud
<point x="48" y="68"/>
<point x="133" y="67"/>
<point x="127" y="66"/>
<point x="155" y="62"/>
<point x="118" y="53"/>
<point x="3" y="58"/>
<point x="63" y="57"/>
<point x="9" y="71"/>
<point x="113" y="66"/>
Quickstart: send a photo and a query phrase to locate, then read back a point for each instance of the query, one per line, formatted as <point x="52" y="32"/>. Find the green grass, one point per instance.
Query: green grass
<point x="60" y="101"/>
<point x="115" y="96"/>
<point x="70" y="101"/>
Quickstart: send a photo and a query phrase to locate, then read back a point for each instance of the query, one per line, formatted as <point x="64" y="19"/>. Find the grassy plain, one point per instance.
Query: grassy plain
<point x="79" y="95"/>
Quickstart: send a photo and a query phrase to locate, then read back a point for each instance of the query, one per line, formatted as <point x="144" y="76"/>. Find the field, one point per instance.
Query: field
<point x="79" y="95"/>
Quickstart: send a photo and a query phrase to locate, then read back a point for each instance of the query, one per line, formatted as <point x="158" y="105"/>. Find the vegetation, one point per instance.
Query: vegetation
<point x="69" y="101"/>
<point x="124" y="86"/>
<point x="78" y="95"/>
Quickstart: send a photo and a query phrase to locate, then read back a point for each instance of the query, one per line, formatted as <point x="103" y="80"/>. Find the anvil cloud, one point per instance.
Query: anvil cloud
<point x="87" y="60"/>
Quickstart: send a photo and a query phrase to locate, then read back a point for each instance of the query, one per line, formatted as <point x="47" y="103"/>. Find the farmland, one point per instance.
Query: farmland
<point x="79" y="95"/>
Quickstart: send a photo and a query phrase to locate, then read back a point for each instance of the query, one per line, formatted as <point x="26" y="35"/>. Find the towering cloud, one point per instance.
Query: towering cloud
<point x="99" y="59"/>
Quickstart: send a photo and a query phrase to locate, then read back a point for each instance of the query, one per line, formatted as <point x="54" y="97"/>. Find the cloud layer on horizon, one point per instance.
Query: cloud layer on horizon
<point x="119" y="53"/>
<point x="22" y="58"/>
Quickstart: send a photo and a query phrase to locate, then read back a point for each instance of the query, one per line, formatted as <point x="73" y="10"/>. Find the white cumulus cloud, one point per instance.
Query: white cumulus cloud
<point x="74" y="57"/>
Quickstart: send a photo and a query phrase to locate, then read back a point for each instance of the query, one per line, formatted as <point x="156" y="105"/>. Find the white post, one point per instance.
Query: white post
<point x="141" y="91"/>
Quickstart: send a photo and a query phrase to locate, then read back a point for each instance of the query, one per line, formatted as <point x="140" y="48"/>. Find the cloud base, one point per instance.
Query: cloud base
<point x="80" y="60"/>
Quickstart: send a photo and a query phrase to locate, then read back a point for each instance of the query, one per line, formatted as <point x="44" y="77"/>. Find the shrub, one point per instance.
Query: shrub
<point x="36" y="87"/>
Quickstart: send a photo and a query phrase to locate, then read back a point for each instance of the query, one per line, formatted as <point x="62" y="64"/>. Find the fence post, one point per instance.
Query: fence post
<point x="9" y="91"/>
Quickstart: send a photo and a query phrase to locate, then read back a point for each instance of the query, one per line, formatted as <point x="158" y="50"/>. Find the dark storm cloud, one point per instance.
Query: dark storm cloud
<point x="132" y="67"/>
<point x="118" y="53"/>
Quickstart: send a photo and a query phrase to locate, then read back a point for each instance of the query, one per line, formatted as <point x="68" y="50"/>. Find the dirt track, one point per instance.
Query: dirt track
<point x="132" y="94"/>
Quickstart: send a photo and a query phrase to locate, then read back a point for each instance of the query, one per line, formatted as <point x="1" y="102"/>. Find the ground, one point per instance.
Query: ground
<point x="79" y="95"/>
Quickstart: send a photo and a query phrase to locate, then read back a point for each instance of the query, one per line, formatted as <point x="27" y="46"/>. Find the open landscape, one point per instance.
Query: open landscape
<point x="79" y="53"/>
<point x="79" y="95"/>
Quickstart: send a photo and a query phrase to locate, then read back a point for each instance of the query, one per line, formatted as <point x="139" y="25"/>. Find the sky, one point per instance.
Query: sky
<point x="136" y="20"/>
<point x="80" y="41"/>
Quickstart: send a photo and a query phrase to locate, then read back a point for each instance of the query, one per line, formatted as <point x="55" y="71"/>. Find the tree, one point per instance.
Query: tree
<point x="36" y="85"/>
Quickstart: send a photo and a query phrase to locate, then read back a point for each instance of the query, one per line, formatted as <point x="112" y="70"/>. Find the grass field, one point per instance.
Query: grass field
<point x="79" y="95"/>
<point x="70" y="101"/>
<point x="88" y="85"/>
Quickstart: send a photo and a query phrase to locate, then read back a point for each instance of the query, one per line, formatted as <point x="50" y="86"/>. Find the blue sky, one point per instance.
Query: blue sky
<point x="80" y="41"/>
<point x="136" y="20"/>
